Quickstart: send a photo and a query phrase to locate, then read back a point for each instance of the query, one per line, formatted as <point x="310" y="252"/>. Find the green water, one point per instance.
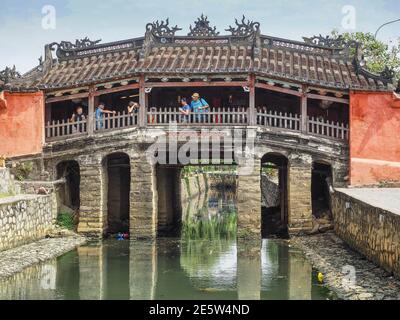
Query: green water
<point x="171" y="269"/>
<point x="206" y="263"/>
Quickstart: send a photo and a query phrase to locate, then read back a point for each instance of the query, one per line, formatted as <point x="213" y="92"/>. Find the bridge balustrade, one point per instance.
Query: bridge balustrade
<point x="214" y="117"/>
<point x="280" y="120"/>
<point x="232" y="116"/>
<point x="328" y="128"/>
<point x="60" y="129"/>
<point x="117" y="121"/>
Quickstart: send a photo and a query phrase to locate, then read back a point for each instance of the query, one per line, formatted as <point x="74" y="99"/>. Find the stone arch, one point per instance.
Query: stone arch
<point x="69" y="192"/>
<point x="116" y="192"/>
<point x="321" y="188"/>
<point x="274" y="190"/>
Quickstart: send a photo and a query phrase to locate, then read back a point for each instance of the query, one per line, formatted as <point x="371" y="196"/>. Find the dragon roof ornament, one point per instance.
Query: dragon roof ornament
<point x="9" y="74"/>
<point x="244" y="28"/>
<point x="202" y="28"/>
<point x="330" y="42"/>
<point x="64" y="47"/>
<point x="162" y="29"/>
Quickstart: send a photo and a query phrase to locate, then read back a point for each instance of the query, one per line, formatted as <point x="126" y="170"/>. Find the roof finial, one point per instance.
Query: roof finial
<point x="202" y="28"/>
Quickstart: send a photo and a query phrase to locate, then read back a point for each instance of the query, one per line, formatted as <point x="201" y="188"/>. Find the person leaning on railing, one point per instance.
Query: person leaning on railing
<point x="77" y="118"/>
<point x="199" y="106"/>
<point x="133" y="107"/>
<point x="99" y="115"/>
<point x="133" y="110"/>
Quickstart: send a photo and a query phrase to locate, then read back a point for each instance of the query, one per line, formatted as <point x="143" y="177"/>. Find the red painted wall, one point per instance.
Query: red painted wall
<point x="374" y="138"/>
<point x="21" y="124"/>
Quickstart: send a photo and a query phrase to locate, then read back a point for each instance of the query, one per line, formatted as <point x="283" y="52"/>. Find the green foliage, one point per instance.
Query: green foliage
<point x="377" y="54"/>
<point x="23" y="170"/>
<point x="216" y="227"/>
<point x="66" y="221"/>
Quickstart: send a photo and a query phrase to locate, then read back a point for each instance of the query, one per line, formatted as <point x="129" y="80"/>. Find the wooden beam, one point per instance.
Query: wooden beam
<point x="197" y="84"/>
<point x="91" y="109"/>
<point x="252" y="101"/>
<point x="304" y="113"/>
<point x="278" y="89"/>
<point x="327" y="98"/>
<point x="142" y="102"/>
<point x="117" y="89"/>
<point x="70" y="97"/>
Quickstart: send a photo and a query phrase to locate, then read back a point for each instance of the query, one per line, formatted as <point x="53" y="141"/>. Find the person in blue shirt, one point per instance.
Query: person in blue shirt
<point x="199" y="106"/>
<point x="185" y="110"/>
<point x="99" y="115"/>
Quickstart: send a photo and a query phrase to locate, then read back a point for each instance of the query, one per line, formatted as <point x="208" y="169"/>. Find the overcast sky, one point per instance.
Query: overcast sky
<point x="23" y="36"/>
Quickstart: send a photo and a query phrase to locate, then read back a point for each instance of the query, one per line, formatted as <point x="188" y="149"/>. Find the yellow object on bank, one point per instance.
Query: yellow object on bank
<point x="320" y="277"/>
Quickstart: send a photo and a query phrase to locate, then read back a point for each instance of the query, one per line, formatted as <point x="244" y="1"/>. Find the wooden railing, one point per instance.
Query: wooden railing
<point x="238" y="116"/>
<point x="215" y="117"/>
<point x="328" y="128"/>
<point x="62" y="128"/>
<point x="117" y="121"/>
<point x="280" y="120"/>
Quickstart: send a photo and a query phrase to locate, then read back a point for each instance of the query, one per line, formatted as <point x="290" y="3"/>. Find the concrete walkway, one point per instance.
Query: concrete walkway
<point x="384" y="198"/>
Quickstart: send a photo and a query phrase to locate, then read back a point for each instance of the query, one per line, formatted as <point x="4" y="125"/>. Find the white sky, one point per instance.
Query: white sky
<point x="23" y="38"/>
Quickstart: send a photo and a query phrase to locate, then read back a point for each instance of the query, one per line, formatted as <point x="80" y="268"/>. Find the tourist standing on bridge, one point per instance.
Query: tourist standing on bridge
<point x="199" y="106"/>
<point x="185" y="111"/>
<point x="78" y="117"/>
<point x="99" y="114"/>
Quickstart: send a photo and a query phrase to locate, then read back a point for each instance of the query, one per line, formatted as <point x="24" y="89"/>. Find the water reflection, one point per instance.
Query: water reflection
<point x="207" y="263"/>
<point x="170" y="269"/>
<point x="210" y="215"/>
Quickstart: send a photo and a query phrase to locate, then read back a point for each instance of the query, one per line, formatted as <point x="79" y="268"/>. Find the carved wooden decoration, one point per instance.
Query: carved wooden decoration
<point x="244" y="28"/>
<point x="162" y="29"/>
<point x="202" y="28"/>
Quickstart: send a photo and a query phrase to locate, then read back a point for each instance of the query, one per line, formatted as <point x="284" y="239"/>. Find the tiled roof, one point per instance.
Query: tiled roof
<point x="161" y="52"/>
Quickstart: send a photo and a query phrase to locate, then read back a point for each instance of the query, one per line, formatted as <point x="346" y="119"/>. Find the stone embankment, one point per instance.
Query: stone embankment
<point x="347" y="272"/>
<point x="369" y="221"/>
<point x="15" y="260"/>
<point x="25" y="218"/>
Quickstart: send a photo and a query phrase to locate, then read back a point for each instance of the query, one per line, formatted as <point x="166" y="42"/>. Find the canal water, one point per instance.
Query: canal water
<point x="205" y="263"/>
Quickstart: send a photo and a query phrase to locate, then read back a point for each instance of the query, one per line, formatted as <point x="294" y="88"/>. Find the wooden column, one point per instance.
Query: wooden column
<point x="252" y="101"/>
<point x="142" y="102"/>
<point x="91" y="108"/>
<point x="304" y="116"/>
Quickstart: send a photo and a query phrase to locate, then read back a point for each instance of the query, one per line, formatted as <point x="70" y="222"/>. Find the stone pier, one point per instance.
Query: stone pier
<point x="249" y="201"/>
<point x="299" y="190"/>
<point x="93" y="189"/>
<point x="143" y="198"/>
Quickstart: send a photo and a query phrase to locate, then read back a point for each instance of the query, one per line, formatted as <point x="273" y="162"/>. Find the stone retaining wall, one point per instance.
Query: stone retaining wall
<point x="372" y="231"/>
<point x="7" y="183"/>
<point x="25" y="218"/>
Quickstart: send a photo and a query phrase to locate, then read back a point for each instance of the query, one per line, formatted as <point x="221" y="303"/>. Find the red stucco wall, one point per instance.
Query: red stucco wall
<point x="374" y="138"/>
<point x="21" y="124"/>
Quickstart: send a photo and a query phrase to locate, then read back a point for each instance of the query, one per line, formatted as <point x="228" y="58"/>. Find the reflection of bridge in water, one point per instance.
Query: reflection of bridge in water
<point x="197" y="269"/>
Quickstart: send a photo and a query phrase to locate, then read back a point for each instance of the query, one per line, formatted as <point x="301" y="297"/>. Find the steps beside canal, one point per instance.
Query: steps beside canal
<point x="24" y="218"/>
<point x="368" y="219"/>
